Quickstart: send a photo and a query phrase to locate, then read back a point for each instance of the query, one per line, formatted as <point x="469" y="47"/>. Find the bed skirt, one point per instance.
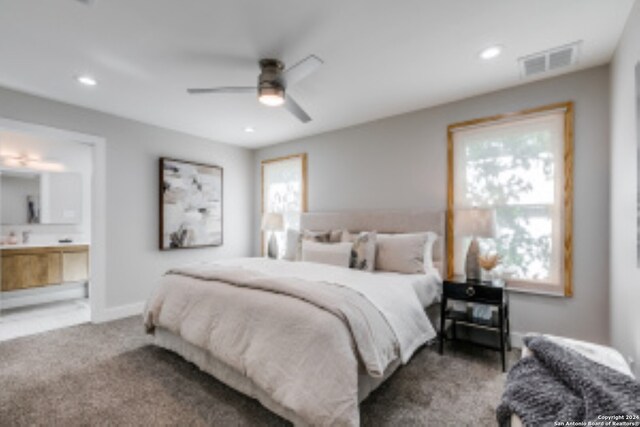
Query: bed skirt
<point x="234" y="379"/>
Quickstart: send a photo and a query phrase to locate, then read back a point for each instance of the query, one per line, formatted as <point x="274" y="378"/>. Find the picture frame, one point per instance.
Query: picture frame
<point x="190" y="204"/>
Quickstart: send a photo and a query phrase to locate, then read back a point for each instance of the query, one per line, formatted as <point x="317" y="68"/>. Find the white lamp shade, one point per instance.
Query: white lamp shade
<point x="272" y="221"/>
<point x="475" y="222"/>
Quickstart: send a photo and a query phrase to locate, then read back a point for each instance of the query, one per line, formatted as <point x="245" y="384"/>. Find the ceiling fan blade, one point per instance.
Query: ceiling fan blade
<point x="295" y="109"/>
<point x="300" y="70"/>
<point x="230" y="89"/>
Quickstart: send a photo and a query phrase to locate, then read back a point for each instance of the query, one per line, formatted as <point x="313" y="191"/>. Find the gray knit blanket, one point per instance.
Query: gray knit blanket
<point x="558" y="384"/>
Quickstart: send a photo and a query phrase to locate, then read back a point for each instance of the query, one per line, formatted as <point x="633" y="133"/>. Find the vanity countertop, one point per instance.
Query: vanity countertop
<point x="41" y="245"/>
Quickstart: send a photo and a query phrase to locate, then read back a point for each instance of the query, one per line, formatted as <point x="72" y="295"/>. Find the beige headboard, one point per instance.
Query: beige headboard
<point x="386" y="221"/>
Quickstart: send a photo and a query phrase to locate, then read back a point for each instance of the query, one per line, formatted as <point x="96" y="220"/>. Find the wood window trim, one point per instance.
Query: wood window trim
<point x="303" y="158"/>
<point x="568" y="109"/>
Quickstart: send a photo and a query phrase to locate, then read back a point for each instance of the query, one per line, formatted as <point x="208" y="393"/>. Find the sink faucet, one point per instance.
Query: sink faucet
<point x="26" y="235"/>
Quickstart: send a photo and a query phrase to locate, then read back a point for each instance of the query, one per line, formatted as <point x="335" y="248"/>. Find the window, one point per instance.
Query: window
<point x="520" y="165"/>
<point x="284" y="190"/>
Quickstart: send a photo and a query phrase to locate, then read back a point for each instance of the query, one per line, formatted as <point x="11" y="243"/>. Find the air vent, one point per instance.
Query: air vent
<point x="549" y="60"/>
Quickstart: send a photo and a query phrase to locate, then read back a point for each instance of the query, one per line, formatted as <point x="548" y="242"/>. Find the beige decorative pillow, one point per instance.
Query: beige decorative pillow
<point x="347" y="236"/>
<point x="401" y="253"/>
<point x="335" y="236"/>
<point x="363" y="251"/>
<point x="327" y="253"/>
<point x="313" y="236"/>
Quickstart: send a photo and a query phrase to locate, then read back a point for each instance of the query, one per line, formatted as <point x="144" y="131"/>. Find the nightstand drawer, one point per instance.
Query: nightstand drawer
<point x="473" y="292"/>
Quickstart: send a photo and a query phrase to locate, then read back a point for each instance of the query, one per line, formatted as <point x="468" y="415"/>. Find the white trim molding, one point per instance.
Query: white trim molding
<point x="119" y="312"/>
<point x="516" y="339"/>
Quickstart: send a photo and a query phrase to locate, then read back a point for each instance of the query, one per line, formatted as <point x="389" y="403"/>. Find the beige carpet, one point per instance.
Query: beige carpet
<point x="110" y="374"/>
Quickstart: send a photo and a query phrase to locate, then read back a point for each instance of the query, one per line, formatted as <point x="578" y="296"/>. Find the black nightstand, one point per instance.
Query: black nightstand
<point x="459" y="289"/>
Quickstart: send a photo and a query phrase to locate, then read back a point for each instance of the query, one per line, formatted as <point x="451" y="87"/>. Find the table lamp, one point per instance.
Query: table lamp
<point x="272" y="221"/>
<point x="474" y="223"/>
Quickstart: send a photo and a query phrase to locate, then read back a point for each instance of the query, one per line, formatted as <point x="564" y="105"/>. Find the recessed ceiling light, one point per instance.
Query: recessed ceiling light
<point x="86" y="80"/>
<point x="249" y="129"/>
<point x="491" y="52"/>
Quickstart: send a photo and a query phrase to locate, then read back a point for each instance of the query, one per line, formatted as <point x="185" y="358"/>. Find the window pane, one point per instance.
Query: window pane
<point x="509" y="164"/>
<point x="283" y="192"/>
<point x="525" y="241"/>
<point x="516" y="167"/>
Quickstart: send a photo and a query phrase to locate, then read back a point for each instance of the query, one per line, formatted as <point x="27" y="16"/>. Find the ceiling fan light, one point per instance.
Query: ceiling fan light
<point x="271" y="96"/>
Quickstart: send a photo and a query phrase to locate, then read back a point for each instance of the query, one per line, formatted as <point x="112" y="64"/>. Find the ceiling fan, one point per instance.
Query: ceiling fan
<point x="273" y="82"/>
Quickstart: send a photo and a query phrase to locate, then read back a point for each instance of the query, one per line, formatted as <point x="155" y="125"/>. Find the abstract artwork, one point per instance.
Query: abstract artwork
<point x="190" y="204"/>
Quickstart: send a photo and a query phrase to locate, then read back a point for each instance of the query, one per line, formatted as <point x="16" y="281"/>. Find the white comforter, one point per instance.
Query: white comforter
<point x="394" y="295"/>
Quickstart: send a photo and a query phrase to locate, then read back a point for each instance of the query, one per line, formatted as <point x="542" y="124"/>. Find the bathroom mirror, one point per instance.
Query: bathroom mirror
<point x="33" y="197"/>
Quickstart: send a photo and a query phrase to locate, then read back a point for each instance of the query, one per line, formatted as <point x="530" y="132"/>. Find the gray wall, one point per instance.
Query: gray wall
<point x="400" y="162"/>
<point x="134" y="263"/>
<point x="625" y="272"/>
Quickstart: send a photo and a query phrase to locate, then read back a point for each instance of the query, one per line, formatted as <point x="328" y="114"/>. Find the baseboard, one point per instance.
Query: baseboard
<point x="516" y="339"/>
<point x="119" y="312"/>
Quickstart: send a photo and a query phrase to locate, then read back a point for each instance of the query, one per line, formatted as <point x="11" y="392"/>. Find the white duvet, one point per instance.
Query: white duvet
<point x="396" y="296"/>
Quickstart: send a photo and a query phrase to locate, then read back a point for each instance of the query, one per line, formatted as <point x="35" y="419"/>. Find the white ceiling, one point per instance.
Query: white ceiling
<point x="381" y="57"/>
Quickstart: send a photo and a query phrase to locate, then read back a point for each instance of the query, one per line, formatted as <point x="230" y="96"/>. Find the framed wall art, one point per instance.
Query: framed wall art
<point x="190" y="204"/>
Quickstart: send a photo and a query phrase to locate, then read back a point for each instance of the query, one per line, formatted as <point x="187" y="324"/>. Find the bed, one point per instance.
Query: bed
<point x="308" y="341"/>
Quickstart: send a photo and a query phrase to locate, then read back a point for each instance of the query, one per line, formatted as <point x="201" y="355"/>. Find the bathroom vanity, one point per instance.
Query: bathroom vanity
<point x="38" y="208"/>
<point x="30" y="266"/>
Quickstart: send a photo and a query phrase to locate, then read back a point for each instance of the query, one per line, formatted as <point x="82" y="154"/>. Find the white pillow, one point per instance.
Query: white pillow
<point x="428" y="250"/>
<point x="327" y="253"/>
<point x="291" y="245"/>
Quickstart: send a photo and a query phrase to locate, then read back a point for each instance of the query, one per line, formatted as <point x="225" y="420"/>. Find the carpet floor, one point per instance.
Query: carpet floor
<point x="110" y="374"/>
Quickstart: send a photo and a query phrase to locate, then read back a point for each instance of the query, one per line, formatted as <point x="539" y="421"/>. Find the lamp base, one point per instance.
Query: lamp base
<point x="472" y="265"/>
<point x="272" y="248"/>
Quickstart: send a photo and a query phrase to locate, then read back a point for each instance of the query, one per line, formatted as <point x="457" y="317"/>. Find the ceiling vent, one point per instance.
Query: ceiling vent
<point x="549" y="60"/>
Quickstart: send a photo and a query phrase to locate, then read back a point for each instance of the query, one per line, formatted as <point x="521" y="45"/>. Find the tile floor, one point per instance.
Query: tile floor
<point x="19" y="322"/>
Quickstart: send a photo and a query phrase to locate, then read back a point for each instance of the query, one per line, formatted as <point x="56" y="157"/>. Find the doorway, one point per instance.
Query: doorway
<point x="50" y="273"/>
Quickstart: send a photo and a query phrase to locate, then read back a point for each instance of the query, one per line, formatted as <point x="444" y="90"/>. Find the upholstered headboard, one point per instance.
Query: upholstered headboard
<point x="386" y="221"/>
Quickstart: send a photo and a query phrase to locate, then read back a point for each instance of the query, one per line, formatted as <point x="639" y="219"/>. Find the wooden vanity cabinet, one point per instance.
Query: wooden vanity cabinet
<point x="43" y="266"/>
<point x="75" y="265"/>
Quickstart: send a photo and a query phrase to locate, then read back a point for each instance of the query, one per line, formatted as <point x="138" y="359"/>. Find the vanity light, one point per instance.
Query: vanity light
<point x="86" y="80"/>
<point x="30" y="162"/>
<point x="491" y="52"/>
<point x="17" y="160"/>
